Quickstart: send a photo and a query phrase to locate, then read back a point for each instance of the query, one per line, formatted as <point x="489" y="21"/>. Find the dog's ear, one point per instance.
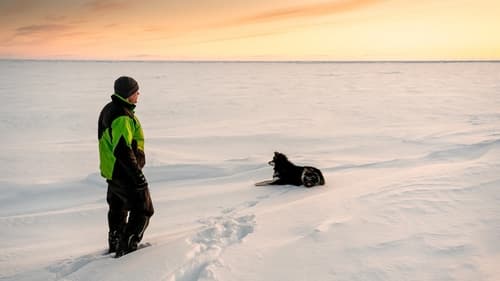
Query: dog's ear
<point x="276" y="153"/>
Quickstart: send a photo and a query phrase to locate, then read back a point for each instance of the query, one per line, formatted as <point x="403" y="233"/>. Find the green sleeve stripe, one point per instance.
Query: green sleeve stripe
<point x="138" y="134"/>
<point x="107" y="158"/>
<point x="122" y="126"/>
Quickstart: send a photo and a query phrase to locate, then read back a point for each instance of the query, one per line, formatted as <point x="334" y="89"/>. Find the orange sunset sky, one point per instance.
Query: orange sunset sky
<point x="250" y="30"/>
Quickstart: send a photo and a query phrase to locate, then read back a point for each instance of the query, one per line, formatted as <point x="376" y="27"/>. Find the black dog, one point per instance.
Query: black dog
<point x="285" y="172"/>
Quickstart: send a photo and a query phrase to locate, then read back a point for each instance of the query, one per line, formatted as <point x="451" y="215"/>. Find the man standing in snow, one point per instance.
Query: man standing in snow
<point x="121" y="152"/>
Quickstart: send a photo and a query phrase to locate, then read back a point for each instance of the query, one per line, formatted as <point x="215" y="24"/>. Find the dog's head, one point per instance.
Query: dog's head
<point x="278" y="160"/>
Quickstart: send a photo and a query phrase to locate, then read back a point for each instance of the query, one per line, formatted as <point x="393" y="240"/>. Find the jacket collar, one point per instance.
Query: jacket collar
<point x="123" y="102"/>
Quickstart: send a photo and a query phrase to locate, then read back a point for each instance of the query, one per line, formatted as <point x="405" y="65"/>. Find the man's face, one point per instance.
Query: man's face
<point x="134" y="97"/>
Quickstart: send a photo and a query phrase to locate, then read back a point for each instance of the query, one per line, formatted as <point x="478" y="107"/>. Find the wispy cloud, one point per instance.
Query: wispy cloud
<point x="41" y="33"/>
<point x="11" y="7"/>
<point x="38" y="29"/>
<point x="285" y="14"/>
<point x="54" y="18"/>
<point x="106" y="5"/>
<point x="311" y="10"/>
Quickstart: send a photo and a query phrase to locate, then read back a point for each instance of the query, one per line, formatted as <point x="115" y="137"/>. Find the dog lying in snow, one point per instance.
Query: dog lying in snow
<point x="285" y="172"/>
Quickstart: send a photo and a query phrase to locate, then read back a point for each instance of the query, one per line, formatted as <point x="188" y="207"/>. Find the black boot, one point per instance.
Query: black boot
<point x="113" y="241"/>
<point x="127" y="244"/>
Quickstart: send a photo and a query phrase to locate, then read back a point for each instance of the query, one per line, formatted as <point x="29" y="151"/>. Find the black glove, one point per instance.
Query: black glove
<point x="140" y="180"/>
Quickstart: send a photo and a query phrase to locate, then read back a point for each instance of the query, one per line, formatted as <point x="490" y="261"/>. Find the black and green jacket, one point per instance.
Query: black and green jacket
<point x="121" y="144"/>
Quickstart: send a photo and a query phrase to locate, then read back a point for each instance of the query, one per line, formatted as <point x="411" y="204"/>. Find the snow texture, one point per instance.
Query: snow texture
<point x="410" y="153"/>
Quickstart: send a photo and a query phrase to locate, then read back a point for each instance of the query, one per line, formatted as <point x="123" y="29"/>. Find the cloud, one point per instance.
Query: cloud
<point x="105" y="5"/>
<point x="40" y="34"/>
<point x="54" y="18"/>
<point x="287" y="13"/>
<point x="311" y="10"/>
<point x="40" y="29"/>
<point x="11" y="7"/>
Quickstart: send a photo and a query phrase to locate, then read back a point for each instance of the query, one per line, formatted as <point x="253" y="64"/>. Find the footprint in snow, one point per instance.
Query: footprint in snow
<point x="208" y="244"/>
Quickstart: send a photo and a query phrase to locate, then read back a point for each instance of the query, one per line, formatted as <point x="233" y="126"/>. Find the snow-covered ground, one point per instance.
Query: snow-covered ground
<point x="410" y="151"/>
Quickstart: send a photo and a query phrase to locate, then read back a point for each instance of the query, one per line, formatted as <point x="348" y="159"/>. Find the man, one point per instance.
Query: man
<point x="121" y="152"/>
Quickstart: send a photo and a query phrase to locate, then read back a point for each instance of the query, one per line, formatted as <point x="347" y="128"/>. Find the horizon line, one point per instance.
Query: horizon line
<point x="257" y="61"/>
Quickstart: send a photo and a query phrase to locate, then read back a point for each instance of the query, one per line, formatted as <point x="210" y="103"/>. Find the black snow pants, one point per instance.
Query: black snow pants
<point x="129" y="209"/>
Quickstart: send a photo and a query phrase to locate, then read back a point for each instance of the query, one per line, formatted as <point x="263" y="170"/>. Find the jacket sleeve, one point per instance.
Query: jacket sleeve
<point x="123" y="132"/>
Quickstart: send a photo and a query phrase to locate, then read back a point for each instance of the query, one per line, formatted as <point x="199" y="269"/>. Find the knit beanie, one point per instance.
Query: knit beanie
<point x="126" y="86"/>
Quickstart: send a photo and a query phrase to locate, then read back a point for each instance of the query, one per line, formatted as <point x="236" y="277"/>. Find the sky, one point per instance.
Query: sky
<point x="250" y="30"/>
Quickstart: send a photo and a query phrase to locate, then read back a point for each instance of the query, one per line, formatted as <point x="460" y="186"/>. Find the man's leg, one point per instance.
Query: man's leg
<point x="140" y="213"/>
<point x="117" y="217"/>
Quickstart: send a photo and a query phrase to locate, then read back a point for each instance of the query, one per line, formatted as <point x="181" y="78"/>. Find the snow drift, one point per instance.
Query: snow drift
<point x="410" y="152"/>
